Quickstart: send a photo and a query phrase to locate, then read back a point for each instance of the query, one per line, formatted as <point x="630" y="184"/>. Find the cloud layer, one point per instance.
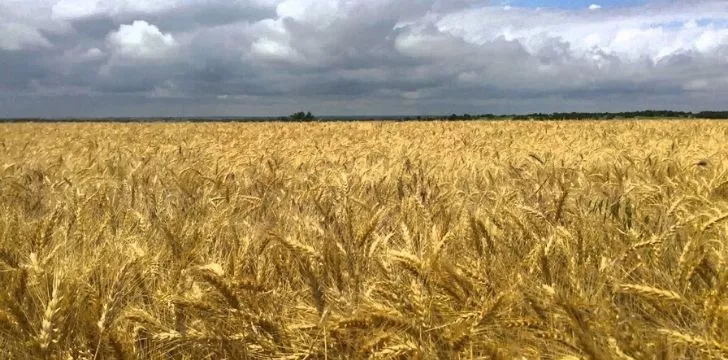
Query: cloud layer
<point x="272" y="57"/>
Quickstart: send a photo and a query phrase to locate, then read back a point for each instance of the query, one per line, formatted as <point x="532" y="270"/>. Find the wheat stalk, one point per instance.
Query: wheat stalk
<point x="46" y="335"/>
<point x="649" y="292"/>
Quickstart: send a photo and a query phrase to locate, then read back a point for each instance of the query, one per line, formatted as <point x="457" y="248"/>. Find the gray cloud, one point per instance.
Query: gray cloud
<point x="271" y="57"/>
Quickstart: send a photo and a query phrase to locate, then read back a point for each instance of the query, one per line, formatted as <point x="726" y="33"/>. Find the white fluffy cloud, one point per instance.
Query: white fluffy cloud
<point x="141" y="40"/>
<point x="632" y="35"/>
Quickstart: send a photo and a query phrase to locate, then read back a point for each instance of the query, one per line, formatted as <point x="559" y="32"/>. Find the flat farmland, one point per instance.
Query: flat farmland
<point x="415" y="240"/>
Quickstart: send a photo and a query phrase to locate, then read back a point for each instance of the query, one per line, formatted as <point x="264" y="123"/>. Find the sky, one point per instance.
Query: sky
<point x="132" y="58"/>
<point x="572" y="4"/>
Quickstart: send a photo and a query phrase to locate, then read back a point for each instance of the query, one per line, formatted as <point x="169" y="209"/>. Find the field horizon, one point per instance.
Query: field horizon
<point x="574" y="115"/>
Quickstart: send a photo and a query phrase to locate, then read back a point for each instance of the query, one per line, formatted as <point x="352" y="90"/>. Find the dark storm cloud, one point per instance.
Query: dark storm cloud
<point x="19" y="68"/>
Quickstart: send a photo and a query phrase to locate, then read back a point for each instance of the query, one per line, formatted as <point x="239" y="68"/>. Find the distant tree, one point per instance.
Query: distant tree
<point x="302" y="116"/>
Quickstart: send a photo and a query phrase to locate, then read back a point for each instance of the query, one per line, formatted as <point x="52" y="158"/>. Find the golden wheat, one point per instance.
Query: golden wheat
<point x="438" y="240"/>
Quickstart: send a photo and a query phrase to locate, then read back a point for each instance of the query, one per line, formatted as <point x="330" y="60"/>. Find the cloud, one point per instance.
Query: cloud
<point x="342" y="56"/>
<point x="76" y="9"/>
<point x="271" y="49"/>
<point x="141" y="40"/>
<point x="14" y="36"/>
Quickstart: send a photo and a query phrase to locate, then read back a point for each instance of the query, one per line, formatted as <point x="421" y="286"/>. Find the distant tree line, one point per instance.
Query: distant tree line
<point x="595" y="115"/>
<point x="580" y="116"/>
<point x="609" y="116"/>
<point x="712" y="115"/>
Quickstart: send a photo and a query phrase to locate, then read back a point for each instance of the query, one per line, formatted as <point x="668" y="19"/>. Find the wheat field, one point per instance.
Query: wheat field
<point x="437" y="240"/>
